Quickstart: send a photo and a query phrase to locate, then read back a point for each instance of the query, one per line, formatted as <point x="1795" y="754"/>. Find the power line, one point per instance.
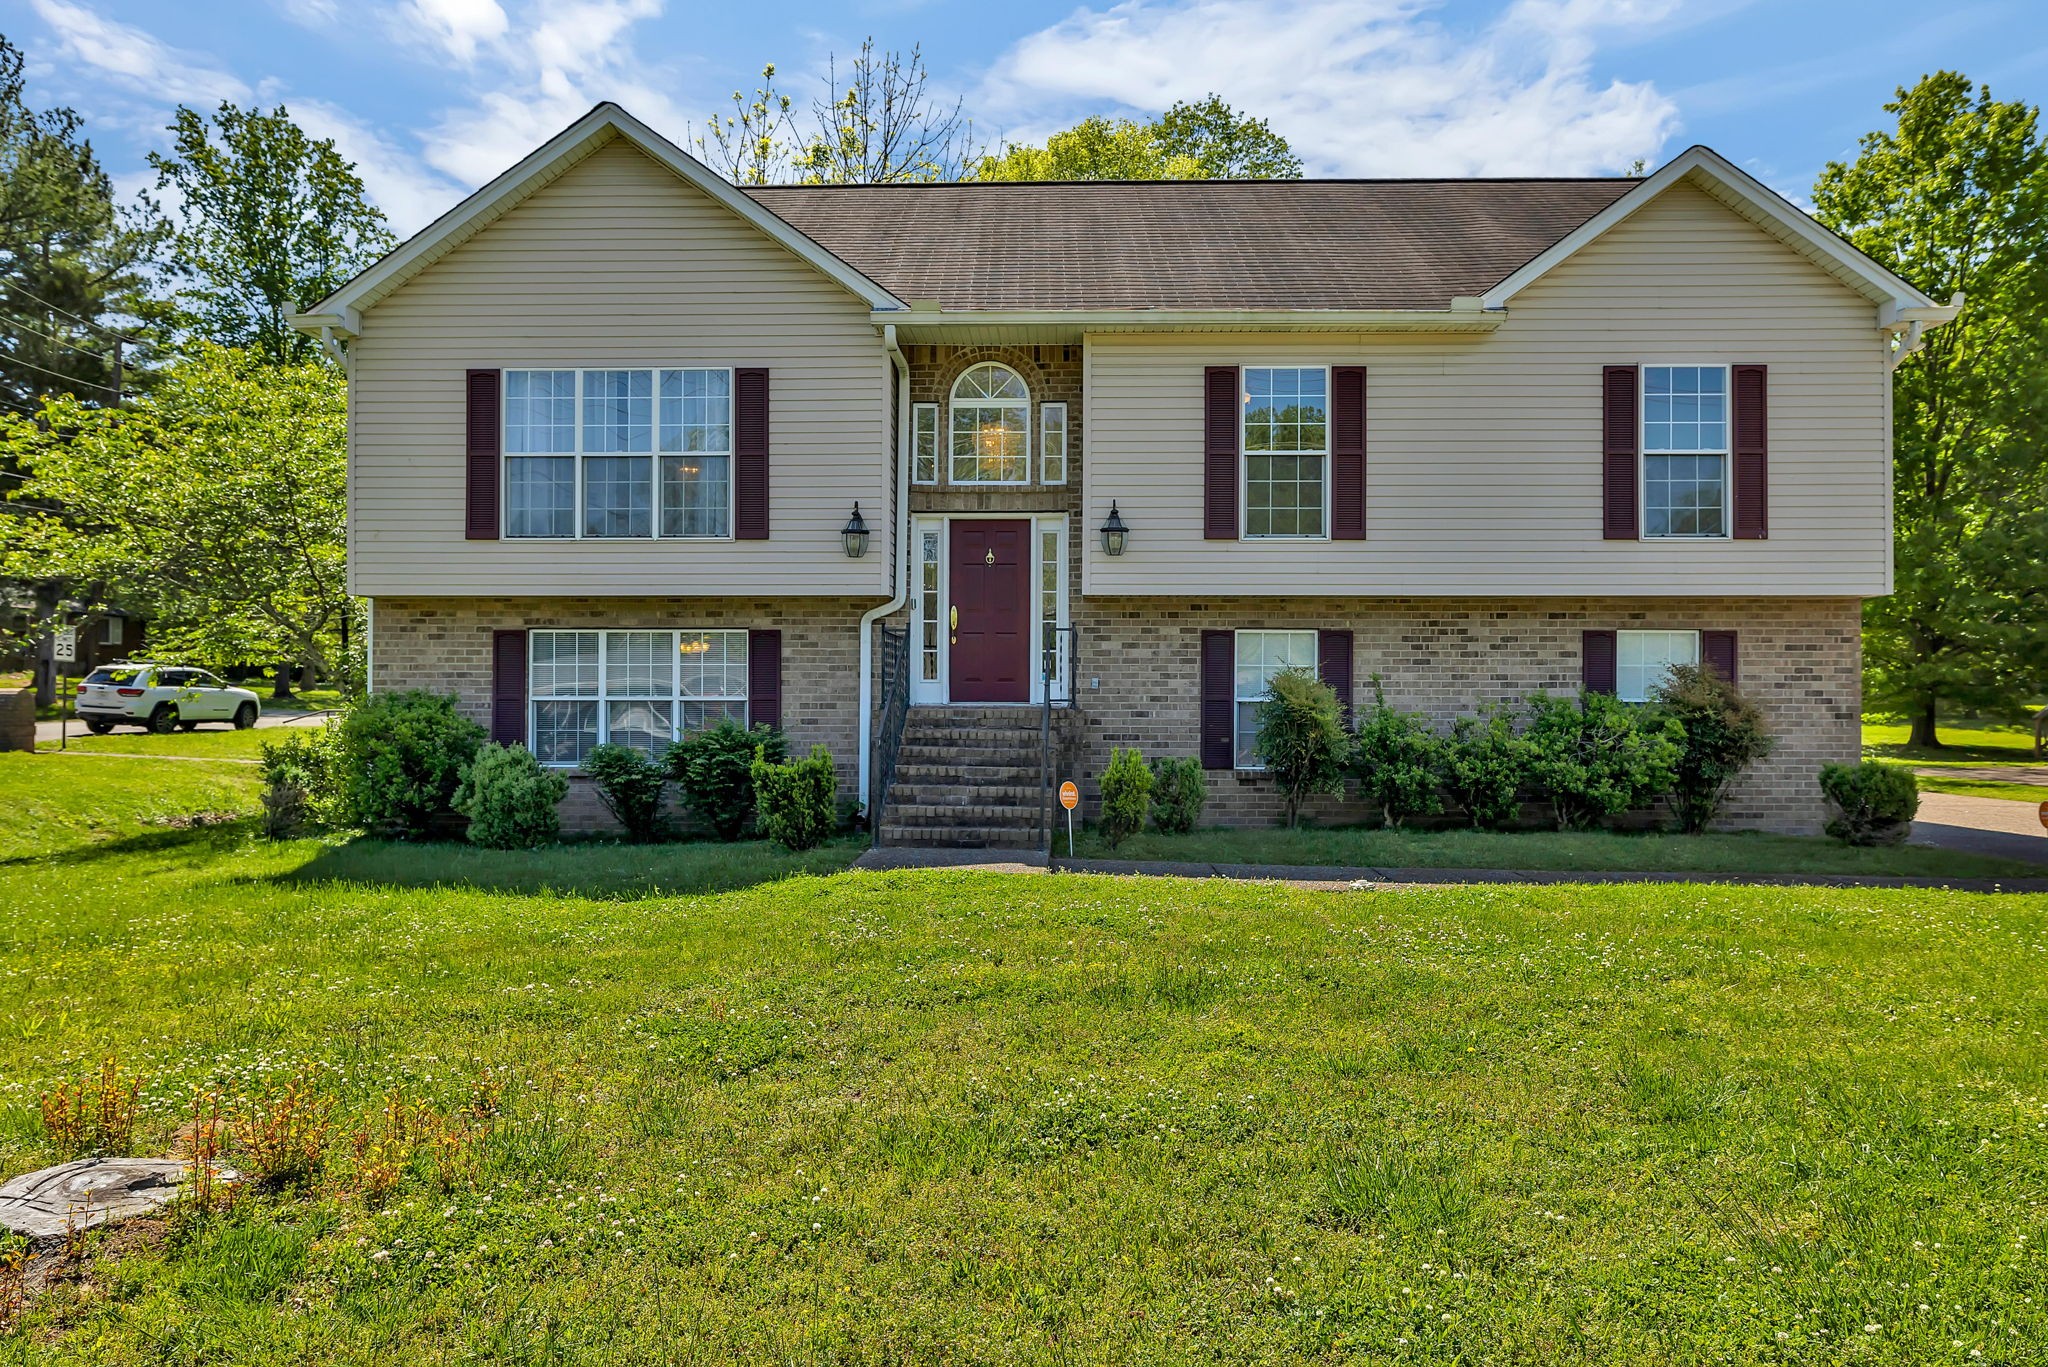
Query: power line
<point x="53" y="337"/>
<point x="57" y="375"/>
<point x="98" y="327"/>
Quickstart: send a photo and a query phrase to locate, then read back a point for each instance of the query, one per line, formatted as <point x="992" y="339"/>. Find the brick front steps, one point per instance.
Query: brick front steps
<point x="966" y="778"/>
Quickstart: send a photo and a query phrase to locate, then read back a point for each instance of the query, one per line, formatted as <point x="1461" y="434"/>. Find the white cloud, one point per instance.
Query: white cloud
<point x="459" y="27"/>
<point x="1359" y="87"/>
<point x="568" y="55"/>
<point x="409" y="192"/>
<point x="136" y="59"/>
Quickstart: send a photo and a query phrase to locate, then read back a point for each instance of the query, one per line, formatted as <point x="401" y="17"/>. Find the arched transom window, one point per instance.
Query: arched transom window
<point x="991" y="426"/>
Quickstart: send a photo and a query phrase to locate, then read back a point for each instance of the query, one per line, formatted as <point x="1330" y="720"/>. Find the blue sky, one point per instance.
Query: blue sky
<point x="433" y="97"/>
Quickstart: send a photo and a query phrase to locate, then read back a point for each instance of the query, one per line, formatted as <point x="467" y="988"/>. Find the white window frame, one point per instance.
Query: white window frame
<point x="1049" y="537"/>
<point x="1726" y="453"/>
<point x="1245" y="453"/>
<point x="934" y="692"/>
<point x="1621" y="638"/>
<point x="603" y="700"/>
<point x="953" y="403"/>
<point x="1047" y="412"/>
<point x="1237" y="701"/>
<point x="506" y="456"/>
<point x="112" y="632"/>
<point x="924" y="427"/>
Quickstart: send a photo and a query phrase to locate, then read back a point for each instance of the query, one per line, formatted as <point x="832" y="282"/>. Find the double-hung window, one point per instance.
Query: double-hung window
<point x="1643" y="658"/>
<point x="638" y="688"/>
<point x="618" y="453"/>
<point x="1260" y="656"/>
<point x="1685" y="451"/>
<point x="1286" y="451"/>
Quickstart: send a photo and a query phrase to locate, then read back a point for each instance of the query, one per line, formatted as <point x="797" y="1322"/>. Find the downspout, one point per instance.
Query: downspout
<point x="902" y="552"/>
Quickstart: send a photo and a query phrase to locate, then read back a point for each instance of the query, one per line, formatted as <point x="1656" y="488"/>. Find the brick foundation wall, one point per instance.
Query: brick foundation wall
<point x="1800" y="659"/>
<point x="444" y="645"/>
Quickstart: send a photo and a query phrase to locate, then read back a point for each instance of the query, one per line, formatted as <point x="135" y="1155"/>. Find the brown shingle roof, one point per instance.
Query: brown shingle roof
<point x="1305" y="244"/>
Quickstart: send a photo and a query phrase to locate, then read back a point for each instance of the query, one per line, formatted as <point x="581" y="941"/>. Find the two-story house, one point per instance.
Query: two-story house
<point x="616" y="428"/>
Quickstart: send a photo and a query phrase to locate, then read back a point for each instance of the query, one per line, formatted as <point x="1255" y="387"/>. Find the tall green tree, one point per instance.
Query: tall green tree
<point x="1194" y="140"/>
<point x="72" y="265"/>
<point x="264" y="221"/>
<point x="1955" y="199"/>
<point x="217" y="499"/>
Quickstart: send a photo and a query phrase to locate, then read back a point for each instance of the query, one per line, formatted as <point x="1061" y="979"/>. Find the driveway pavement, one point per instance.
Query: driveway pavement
<point x="1981" y="825"/>
<point x="284" y="716"/>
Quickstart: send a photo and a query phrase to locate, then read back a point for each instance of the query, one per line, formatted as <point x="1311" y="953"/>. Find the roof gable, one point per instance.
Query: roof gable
<point x="1750" y="198"/>
<point x="547" y="163"/>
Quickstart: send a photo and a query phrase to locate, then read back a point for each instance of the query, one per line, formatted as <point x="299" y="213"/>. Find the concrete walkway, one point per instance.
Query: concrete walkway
<point x="1981" y="825"/>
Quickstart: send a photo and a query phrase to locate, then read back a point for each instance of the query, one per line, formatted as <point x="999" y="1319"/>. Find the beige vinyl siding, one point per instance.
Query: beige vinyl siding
<point x="1483" y="451"/>
<point x="618" y="263"/>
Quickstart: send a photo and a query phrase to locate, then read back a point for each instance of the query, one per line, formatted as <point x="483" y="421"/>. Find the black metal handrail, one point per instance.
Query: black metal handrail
<point x="888" y="736"/>
<point x="1058" y="664"/>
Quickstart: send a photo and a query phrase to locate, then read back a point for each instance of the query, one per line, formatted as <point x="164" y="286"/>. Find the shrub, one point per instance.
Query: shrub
<point x="509" y="799"/>
<point x="1126" y="796"/>
<point x="1179" y="792"/>
<point x="398" y="760"/>
<point x="715" y="770"/>
<point x="1874" y="803"/>
<point x="299" y="788"/>
<point x="1486" y="763"/>
<point x="1399" y="760"/>
<point x="796" y="802"/>
<point x="1593" y="756"/>
<point x="1724" y="734"/>
<point x="1301" y="738"/>
<point x="630" y="783"/>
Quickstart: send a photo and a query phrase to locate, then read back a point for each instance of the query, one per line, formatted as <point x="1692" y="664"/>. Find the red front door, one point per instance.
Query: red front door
<point x="990" y="614"/>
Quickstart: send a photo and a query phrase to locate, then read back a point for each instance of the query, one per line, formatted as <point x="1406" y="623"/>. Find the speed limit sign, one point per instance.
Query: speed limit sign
<point x="65" y="650"/>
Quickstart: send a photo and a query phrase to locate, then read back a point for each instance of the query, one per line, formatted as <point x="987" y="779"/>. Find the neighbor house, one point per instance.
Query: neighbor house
<point x="616" y="428"/>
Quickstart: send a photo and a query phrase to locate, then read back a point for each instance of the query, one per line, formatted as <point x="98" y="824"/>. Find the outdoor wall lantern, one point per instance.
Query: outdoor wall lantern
<point x="854" y="535"/>
<point x="1115" y="535"/>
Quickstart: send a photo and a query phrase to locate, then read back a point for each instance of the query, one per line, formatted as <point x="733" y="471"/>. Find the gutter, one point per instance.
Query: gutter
<point x="1464" y="315"/>
<point x="1908" y="325"/>
<point x="901" y="494"/>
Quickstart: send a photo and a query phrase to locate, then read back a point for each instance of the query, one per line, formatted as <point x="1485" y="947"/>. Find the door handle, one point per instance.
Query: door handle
<point x="955" y="623"/>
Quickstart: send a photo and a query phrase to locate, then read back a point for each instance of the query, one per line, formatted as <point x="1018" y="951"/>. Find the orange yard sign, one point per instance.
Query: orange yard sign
<point x="2044" y="813"/>
<point x="1070" y="798"/>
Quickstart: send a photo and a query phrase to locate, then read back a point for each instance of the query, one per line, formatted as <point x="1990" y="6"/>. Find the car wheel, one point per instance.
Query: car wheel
<point x="99" y="728"/>
<point x="164" y="720"/>
<point x="245" y="716"/>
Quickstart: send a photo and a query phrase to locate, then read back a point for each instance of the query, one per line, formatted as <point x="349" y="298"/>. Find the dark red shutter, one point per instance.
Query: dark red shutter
<point x="480" y="521"/>
<point x="764" y="678"/>
<point x="1752" y="494"/>
<point x="1619" y="401"/>
<point x="1347" y="453"/>
<point x="508" y="687"/>
<point x="1219" y="699"/>
<point x="1597" y="656"/>
<point x="1219" y="454"/>
<point x="750" y="455"/>
<point x="1333" y="665"/>
<point x="1717" y="652"/>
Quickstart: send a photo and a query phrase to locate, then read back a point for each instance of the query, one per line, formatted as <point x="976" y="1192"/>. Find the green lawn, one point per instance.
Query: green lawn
<point x="909" y="1118"/>
<point x="208" y="742"/>
<point x="1975" y="742"/>
<point x="1372" y="847"/>
<point x="53" y="802"/>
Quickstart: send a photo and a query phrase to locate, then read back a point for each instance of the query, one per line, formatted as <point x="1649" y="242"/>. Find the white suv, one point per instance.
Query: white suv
<point x="161" y="698"/>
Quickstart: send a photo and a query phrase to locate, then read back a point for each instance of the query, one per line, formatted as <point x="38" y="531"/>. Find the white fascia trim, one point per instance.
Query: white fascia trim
<point x="1464" y="315"/>
<point x="1882" y="287"/>
<point x="547" y="161"/>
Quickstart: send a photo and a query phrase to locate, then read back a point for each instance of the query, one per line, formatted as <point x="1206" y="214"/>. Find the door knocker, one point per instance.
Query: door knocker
<point x="990" y="558"/>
